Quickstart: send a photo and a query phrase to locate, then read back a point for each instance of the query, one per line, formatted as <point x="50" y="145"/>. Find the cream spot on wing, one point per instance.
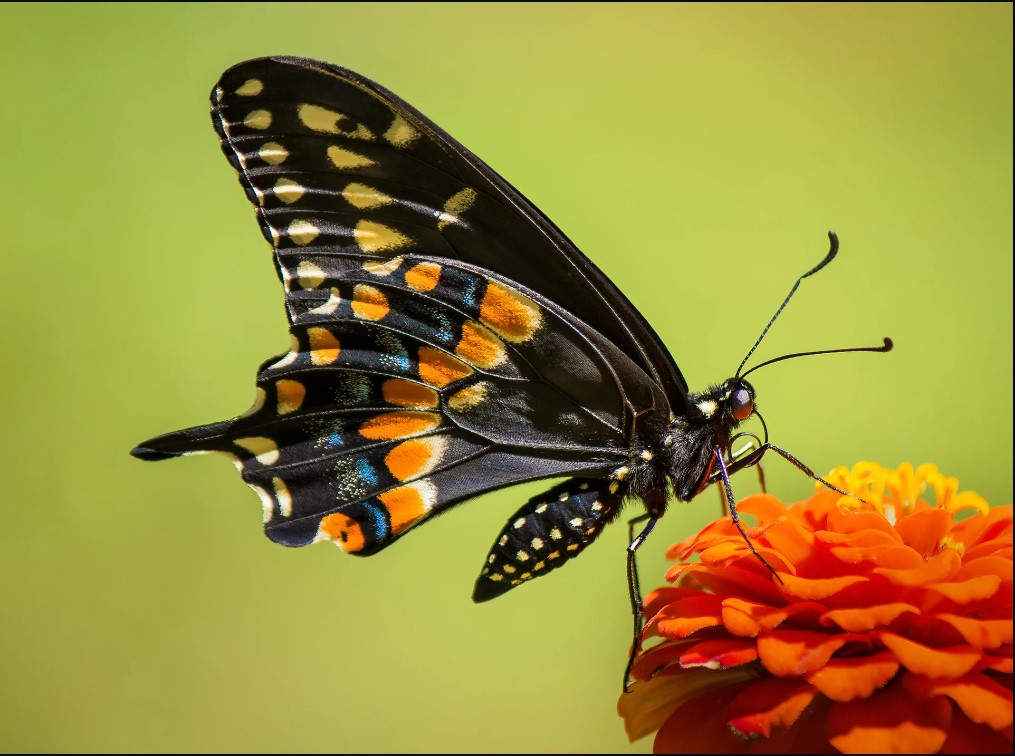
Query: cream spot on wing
<point x="365" y="197"/>
<point x="258" y="119"/>
<point x="346" y="159"/>
<point x="329" y="307"/>
<point x="468" y="398"/>
<point x="400" y="133"/>
<point x="374" y="237"/>
<point x="457" y="204"/>
<point x="259" y="398"/>
<point x="542" y="508"/>
<point x="273" y="153"/>
<point x="537" y="543"/>
<point x="382" y="268"/>
<point x="325" y="121"/>
<point x="510" y="569"/>
<point x="249" y="88"/>
<point x="267" y="502"/>
<point x="555" y="534"/>
<point x="522" y="556"/>
<point x="309" y="275"/>
<point x="285" y="499"/>
<point x="288" y="191"/>
<point x="264" y="449"/>
<point x="289" y="395"/>
<point x="503" y="541"/>
<point x="302" y="232"/>
<point x="520" y="522"/>
<point x="290" y="357"/>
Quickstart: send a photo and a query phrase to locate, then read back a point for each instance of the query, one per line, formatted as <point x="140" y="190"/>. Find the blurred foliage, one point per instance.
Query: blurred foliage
<point x="697" y="153"/>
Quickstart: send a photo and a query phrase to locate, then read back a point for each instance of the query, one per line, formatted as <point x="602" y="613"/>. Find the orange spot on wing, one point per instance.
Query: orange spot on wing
<point x="408" y="504"/>
<point x="369" y="303"/>
<point x="440" y="369"/>
<point x="480" y="347"/>
<point x="408" y="394"/>
<point x="290" y="395"/>
<point x="343" y="530"/>
<point x="390" y="425"/>
<point x="410" y="459"/>
<point x="509" y="313"/>
<point x="424" y="276"/>
<point x="324" y="346"/>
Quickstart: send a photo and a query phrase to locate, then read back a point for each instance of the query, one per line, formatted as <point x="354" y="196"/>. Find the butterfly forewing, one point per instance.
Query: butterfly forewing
<point x="446" y="339"/>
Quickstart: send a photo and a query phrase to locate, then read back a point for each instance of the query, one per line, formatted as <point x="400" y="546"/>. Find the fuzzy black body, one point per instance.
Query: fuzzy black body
<point x="446" y="340"/>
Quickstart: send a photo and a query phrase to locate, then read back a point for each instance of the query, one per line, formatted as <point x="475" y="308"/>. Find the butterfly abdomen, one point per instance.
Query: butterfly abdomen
<point x="545" y="533"/>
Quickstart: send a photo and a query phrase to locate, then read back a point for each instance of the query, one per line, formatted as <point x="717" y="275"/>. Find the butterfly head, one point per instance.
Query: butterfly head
<point x="726" y="405"/>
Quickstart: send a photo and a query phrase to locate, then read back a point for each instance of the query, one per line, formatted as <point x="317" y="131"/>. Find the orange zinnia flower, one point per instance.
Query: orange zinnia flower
<point x="890" y="632"/>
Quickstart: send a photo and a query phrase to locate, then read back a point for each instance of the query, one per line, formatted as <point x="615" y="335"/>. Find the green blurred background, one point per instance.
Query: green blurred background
<point x="697" y="153"/>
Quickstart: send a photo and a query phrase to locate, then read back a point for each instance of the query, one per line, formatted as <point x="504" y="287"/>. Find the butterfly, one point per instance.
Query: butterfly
<point x="446" y="340"/>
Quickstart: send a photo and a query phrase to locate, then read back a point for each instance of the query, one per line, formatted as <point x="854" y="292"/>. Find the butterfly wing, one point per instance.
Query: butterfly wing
<point x="446" y="338"/>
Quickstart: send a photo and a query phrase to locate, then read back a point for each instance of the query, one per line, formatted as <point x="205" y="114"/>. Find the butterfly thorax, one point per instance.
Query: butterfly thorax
<point x="688" y="448"/>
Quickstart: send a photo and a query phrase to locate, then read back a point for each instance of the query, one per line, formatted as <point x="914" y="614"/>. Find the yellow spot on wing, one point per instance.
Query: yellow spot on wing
<point x="345" y="159"/>
<point x="259" y="398"/>
<point x="440" y="369"/>
<point x="423" y="276"/>
<point x="257" y="119"/>
<point x="264" y="449"/>
<point x="326" y="121"/>
<point x="399" y="424"/>
<point x="369" y="303"/>
<point x="250" y="87"/>
<point x="382" y="268"/>
<point x="309" y="275"/>
<point x="374" y="237"/>
<point x="480" y="347"/>
<point x="289" y="395"/>
<point x="324" y="346"/>
<point x="409" y="504"/>
<point x="457" y="204"/>
<point x="400" y="133"/>
<point x="365" y="197"/>
<point x="408" y="394"/>
<point x="288" y="191"/>
<point x="468" y="397"/>
<point x="344" y="531"/>
<point x="411" y="459"/>
<point x="509" y="313"/>
<point x="285" y="499"/>
<point x="303" y="232"/>
<point x="273" y="153"/>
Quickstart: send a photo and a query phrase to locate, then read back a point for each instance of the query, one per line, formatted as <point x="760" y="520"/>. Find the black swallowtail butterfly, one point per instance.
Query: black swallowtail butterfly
<point x="447" y="340"/>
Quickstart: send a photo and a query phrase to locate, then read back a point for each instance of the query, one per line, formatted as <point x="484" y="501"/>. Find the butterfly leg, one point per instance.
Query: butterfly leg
<point x="724" y="473"/>
<point x="633" y="586"/>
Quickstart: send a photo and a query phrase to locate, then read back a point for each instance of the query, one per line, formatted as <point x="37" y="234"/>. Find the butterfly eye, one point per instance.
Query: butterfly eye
<point x="741" y="404"/>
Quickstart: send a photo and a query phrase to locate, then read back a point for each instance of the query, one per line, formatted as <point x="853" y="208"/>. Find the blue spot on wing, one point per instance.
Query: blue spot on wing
<point x="366" y="472"/>
<point x="378" y="520"/>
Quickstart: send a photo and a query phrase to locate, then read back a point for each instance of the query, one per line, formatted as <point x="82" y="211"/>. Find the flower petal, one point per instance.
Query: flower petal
<point x="843" y="679"/>
<point x="973" y="589"/>
<point x="965" y="736"/>
<point x="924" y="531"/>
<point x="889" y="722"/>
<point x="768" y="704"/>
<point x="867" y="618"/>
<point x="699" y="725"/>
<point x="934" y="662"/>
<point x="719" y="654"/>
<point x="688" y="615"/>
<point x="815" y="589"/>
<point x="786" y="653"/>
<point x="982" y="633"/>
<point x="983" y="700"/>
<point x="937" y="568"/>
<point x="647" y="703"/>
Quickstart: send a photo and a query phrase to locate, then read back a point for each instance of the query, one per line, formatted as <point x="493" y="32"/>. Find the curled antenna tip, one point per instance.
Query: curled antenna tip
<point x="889" y="345"/>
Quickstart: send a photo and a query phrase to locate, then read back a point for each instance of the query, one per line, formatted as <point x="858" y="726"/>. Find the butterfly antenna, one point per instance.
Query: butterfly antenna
<point x="886" y="347"/>
<point x="832" y="252"/>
